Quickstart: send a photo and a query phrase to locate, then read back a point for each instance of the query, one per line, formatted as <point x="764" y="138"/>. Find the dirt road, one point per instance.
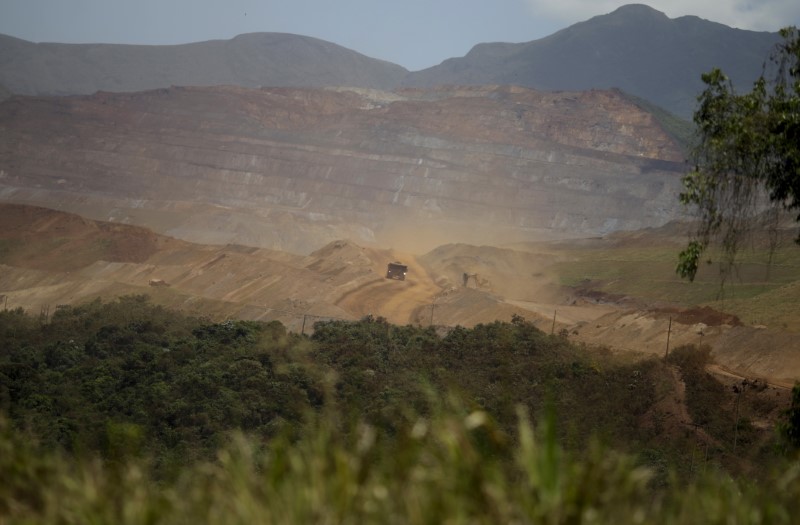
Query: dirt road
<point x="395" y="300"/>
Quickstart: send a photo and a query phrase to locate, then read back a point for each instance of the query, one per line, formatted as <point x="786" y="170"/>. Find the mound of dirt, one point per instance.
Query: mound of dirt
<point x="508" y="273"/>
<point x="56" y="258"/>
<point x="45" y="239"/>
<point x="704" y="314"/>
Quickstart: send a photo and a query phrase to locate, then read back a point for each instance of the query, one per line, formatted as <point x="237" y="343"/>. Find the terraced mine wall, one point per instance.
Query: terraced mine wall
<point x="293" y="169"/>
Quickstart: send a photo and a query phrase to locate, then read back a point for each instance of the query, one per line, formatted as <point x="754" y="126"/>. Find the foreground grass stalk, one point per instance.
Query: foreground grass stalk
<point x="455" y="469"/>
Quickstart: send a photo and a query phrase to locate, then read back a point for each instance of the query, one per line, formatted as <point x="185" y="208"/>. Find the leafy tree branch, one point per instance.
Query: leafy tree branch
<point x="746" y="159"/>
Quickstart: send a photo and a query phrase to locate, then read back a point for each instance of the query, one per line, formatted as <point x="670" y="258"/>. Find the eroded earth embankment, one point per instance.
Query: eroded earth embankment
<point x="51" y="258"/>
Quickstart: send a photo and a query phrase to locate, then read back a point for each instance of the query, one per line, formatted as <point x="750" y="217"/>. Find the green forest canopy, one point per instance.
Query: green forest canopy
<point x="362" y="422"/>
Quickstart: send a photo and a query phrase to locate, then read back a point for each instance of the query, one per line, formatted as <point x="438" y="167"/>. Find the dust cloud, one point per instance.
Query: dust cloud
<point x="418" y="236"/>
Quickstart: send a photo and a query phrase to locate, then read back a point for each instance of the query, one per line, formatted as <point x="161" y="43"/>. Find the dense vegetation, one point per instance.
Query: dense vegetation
<point x="128" y="412"/>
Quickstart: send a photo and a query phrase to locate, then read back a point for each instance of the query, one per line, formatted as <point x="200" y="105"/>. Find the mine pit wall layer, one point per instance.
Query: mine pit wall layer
<point x="292" y="169"/>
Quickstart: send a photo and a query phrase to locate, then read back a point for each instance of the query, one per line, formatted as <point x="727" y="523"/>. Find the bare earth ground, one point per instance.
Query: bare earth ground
<point x="49" y="258"/>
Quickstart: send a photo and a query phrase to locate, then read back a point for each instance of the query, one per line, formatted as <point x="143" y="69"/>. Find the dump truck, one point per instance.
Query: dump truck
<point x="397" y="271"/>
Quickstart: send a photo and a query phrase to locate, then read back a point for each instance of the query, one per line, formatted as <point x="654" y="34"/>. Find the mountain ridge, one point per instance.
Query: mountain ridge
<point x="634" y="48"/>
<point x="249" y="60"/>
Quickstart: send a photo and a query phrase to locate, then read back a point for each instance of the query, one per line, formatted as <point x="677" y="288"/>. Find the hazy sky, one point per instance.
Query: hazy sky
<point x="413" y="33"/>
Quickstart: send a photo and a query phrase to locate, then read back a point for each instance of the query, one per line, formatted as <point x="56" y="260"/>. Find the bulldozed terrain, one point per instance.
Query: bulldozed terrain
<point x="50" y="258"/>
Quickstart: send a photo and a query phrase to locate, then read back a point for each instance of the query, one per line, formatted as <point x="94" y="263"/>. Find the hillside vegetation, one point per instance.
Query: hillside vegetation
<point x="126" y="411"/>
<point x="761" y="289"/>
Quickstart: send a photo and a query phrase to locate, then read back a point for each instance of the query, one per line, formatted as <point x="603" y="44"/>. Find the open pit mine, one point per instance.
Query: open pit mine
<point x="294" y="169"/>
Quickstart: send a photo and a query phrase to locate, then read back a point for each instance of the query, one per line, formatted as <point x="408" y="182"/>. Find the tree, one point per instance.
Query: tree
<point x="747" y="156"/>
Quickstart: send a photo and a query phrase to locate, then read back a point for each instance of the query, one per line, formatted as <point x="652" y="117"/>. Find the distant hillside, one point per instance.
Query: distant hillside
<point x="635" y="48"/>
<point x="251" y="60"/>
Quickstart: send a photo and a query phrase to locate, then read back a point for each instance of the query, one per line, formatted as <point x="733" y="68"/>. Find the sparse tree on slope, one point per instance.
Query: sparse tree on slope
<point x="747" y="154"/>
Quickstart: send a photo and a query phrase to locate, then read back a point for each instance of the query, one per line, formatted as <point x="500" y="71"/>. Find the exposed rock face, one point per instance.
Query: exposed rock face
<point x="293" y="169"/>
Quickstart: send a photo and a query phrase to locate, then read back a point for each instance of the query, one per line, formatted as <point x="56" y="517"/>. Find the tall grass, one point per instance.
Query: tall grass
<point x="455" y="467"/>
